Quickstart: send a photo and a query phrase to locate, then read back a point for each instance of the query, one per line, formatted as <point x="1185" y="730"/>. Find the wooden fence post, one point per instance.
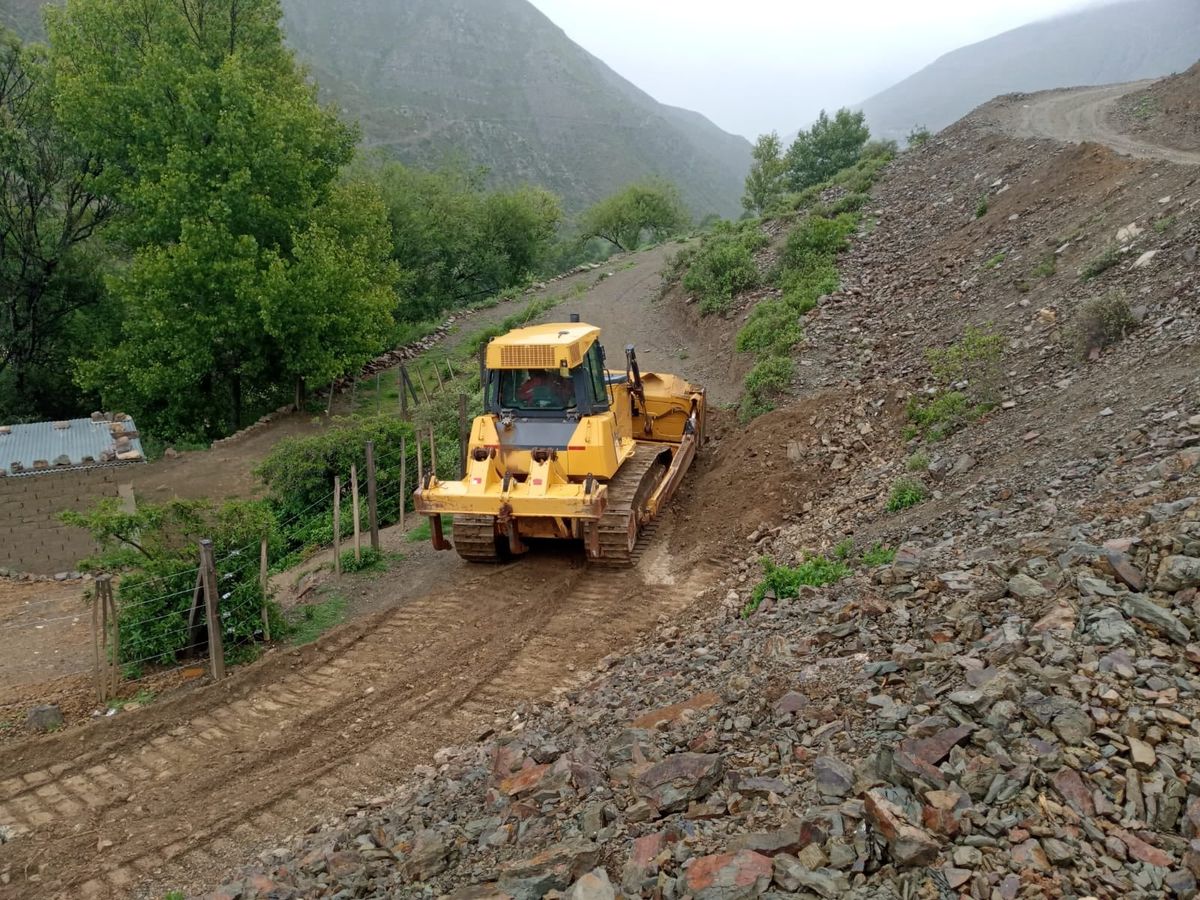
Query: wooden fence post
<point x="266" y="590"/>
<point x="420" y="461"/>
<point x="432" y="452"/>
<point x="116" y="638"/>
<point x="337" y="524"/>
<point x="372" y="508"/>
<point x="357" y="519"/>
<point x="403" y="396"/>
<point x="438" y="373"/>
<point x="450" y="369"/>
<point x="403" y="480"/>
<point x="463" y="434"/>
<point x="100" y="662"/>
<point x="96" y="601"/>
<point x="216" y="645"/>
<point x="421" y="380"/>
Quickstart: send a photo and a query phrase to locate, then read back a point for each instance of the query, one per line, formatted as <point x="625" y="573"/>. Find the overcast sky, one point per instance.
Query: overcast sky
<point x="754" y="66"/>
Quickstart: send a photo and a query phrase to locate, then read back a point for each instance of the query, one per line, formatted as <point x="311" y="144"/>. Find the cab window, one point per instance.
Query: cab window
<point x="593" y="371"/>
<point x="536" y="390"/>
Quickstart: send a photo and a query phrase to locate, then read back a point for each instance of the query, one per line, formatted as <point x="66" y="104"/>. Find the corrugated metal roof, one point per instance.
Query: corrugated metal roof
<point x="75" y="444"/>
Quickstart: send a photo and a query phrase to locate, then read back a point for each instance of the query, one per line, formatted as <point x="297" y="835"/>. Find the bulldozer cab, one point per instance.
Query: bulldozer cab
<point x="572" y="386"/>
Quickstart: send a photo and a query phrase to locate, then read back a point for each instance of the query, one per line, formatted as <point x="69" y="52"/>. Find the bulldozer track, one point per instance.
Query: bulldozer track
<point x="178" y="795"/>
<point x="475" y="539"/>
<point x="620" y="527"/>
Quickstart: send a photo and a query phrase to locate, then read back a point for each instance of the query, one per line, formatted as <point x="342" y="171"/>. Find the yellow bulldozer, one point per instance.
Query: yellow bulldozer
<point x="566" y="449"/>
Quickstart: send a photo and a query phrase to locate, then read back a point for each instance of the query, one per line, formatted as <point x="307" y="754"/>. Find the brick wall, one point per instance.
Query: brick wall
<point x="32" y="539"/>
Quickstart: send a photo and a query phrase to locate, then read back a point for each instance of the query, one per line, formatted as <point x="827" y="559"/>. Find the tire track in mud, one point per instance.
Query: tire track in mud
<point x="239" y="767"/>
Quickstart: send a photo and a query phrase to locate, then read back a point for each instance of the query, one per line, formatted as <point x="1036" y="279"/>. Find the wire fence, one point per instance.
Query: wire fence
<point x="203" y="620"/>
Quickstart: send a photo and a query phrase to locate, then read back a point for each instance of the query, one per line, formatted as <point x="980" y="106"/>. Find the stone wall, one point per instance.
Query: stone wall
<point x="32" y="539"/>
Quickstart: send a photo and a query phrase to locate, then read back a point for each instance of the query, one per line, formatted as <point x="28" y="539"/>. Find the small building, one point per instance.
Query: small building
<point x="47" y="468"/>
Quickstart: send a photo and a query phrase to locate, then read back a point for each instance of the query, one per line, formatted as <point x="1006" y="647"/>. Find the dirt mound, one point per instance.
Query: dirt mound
<point x="1167" y="111"/>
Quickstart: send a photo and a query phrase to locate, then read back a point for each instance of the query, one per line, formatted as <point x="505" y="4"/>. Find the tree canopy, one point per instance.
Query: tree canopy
<point x="826" y="148"/>
<point x="455" y="240"/>
<point x="49" y="209"/>
<point x="766" y="181"/>
<point x="224" y="167"/>
<point x="649" y="210"/>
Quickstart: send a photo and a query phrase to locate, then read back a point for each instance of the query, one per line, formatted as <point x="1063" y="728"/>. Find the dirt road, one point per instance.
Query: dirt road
<point x="176" y="794"/>
<point x="1081" y="115"/>
<point x="183" y="790"/>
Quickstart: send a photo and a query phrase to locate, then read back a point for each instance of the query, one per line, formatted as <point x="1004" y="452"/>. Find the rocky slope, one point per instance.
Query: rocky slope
<point x="1006" y="710"/>
<point x="1169" y="109"/>
<point x="1102" y="44"/>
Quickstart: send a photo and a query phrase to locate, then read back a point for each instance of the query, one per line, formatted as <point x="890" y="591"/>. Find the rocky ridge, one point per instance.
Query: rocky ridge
<point x="1004" y="717"/>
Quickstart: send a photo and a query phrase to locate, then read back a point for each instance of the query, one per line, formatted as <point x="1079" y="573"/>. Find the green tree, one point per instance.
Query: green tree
<point x="765" y="183"/>
<point x="49" y="212"/>
<point x="213" y="144"/>
<point x="650" y="209"/>
<point x="829" y="146"/>
<point x="330" y="310"/>
<point x="456" y="241"/>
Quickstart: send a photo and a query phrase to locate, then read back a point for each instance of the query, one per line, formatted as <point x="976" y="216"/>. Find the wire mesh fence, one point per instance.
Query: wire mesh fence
<point x="85" y="628"/>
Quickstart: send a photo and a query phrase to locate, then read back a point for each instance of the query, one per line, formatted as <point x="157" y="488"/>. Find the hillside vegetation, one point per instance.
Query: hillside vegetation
<point x="189" y="236"/>
<point x="495" y="84"/>
<point x="1104" y="44"/>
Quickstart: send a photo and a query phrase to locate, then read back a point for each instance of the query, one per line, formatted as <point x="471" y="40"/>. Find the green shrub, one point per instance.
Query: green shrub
<point x="723" y="267"/>
<point x="996" y="261"/>
<point x="939" y="415"/>
<point x="774" y="328"/>
<point x="1163" y="225"/>
<point x="155" y="550"/>
<point x="844" y="550"/>
<point x="815" y="240"/>
<point x="406" y="333"/>
<point x="919" y="136"/>
<point x="1101" y="323"/>
<point x="976" y="358"/>
<point x="299" y="475"/>
<point x="784" y="582"/>
<point x="1047" y="267"/>
<point x="982" y="209"/>
<point x="1102" y="263"/>
<point x="918" y="462"/>
<point x="879" y="555"/>
<point x="770" y="378"/>
<point x="848" y="203"/>
<point x="370" y="560"/>
<point x="906" y="493"/>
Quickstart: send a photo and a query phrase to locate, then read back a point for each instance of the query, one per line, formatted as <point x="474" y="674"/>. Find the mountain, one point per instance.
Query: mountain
<point x="494" y="83"/>
<point x="24" y="17"/>
<point x="1108" y="44"/>
<point x="497" y="83"/>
